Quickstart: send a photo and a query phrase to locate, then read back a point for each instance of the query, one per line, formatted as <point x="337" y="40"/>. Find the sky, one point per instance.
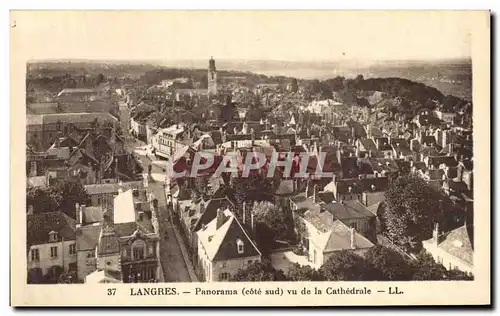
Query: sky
<point x="258" y="35"/>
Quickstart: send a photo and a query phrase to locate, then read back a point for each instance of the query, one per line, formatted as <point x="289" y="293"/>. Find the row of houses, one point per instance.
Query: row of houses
<point x="106" y="243"/>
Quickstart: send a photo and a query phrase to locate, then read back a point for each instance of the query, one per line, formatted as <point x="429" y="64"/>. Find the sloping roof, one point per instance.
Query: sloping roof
<point x="348" y="210"/>
<point x="220" y="244"/>
<point x="39" y="181"/>
<point x="76" y="91"/>
<point x="458" y="244"/>
<point x="109" y="188"/>
<point x="368" y="144"/>
<point x="70" y="117"/>
<point x="124" y="211"/>
<point x="108" y="244"/>
<point x="340" y="238"/>
<point x="39" y="226"/>
<point x="87" y="237"/>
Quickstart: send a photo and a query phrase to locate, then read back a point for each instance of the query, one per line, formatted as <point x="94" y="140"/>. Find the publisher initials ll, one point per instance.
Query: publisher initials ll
<point x="395" y="290"/>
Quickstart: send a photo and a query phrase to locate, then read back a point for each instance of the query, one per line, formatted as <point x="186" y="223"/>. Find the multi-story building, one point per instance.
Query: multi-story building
<point x="51" y="246"/>
<point x="224" y="247"/>
<point x="123" y="242"/>
<point x="168" y="141"/>
<point x="43" y="130"/>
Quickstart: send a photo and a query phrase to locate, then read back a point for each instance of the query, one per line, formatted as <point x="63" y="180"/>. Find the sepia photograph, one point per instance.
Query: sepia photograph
<point x="329" y="148"/>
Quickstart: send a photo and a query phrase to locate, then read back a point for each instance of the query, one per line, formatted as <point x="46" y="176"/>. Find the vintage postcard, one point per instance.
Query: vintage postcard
<point x="250" y="158"/>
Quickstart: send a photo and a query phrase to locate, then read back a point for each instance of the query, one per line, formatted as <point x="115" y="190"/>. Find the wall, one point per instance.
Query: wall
<point x="113" y="260"/>
<point x="86" y="264"/>
<point x="46" y="262"/>
<point x="447" y="260"/>
<point x="230" y="266"/>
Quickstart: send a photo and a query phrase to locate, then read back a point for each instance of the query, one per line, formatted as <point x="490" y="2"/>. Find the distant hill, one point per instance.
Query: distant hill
<point x="452" y="77"/>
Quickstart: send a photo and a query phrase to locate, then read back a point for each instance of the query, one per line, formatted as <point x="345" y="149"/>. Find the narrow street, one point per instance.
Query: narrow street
<point x="172" y="261"/>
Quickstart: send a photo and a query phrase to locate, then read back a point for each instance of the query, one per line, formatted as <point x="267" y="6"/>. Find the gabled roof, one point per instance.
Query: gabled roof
<point x="39" y="226"/>
<point x="458" y="243"/>
<point x="221" y="244"/>
<point x="340" y="238"/>
<point x="87" y="237"/>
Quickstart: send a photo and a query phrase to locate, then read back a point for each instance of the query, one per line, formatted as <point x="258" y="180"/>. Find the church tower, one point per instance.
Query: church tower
<point x="212" y="77"/>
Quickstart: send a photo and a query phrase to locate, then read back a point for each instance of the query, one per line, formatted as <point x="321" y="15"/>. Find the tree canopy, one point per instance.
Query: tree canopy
<point x="344" y="265"/>
<point x="59" y="197"/>
<point x="410" y="210"/>
<point x="250" y="189"/>
<point x="387" y="264"/>
<point x="259" y="271"/>
<point x="299" y="272"/>
<point x="271" y="224"/>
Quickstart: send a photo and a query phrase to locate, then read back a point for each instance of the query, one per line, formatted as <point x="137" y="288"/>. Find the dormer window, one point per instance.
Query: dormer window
<point x="241" y="246"/>
<point x="53" y="236"/>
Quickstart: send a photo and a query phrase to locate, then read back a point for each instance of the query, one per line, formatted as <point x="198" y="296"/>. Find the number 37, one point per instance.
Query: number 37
<point x="111" y="292"/>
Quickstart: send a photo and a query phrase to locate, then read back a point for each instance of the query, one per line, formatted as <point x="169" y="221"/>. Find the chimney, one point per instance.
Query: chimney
<point x="450" y="148"/>
<point x="411" y="144"/>
<point x="244" y="211"/>
<point x="352" y="238"/>
<point x="370" y="153"/>
<point x="378" y="143"/>
<point x="353" y="133"/>
<point x="308" y="185"/>
<point x="252" y="223"/>
<point x="220" y="217"/>
<point x="435" y="234"/>
<point x="82" y="214"/>
<point x="78" y="215"/>
<point x="315" y="194"/>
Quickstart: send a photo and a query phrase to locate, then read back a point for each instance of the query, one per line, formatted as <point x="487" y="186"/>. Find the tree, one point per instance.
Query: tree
<point x="344" y="265"/>
<point x="72" y="192"/>
<point x="43" y="199"/>
<point x="98" y="79"/>
<point x="386" y="264"/>
<point x="258" y="272"/>
<point x="298" y="272"/>
<point x="270" y="224"/>
<point x="412" y="207"/>
<point x="250" y="189"/>
<point x="426" y="269"/>
<point x="60" y="197"/>
<point x="458" y="275"/>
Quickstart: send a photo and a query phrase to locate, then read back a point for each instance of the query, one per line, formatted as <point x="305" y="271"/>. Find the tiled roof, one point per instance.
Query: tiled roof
<point x="39" y="226"/>
<point x="87" y="237"/>
<point x="73" y="117"/>
<point x="368" y="144"/>
<point x="39" y="181"/>
<point x="348" y="210"/>
<point x="340" y="238"/>
<point x="221" y="244"/>
<point x="343" y="186"/>
<point x="109" y="188"/>
<point x="457" y="242"/>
